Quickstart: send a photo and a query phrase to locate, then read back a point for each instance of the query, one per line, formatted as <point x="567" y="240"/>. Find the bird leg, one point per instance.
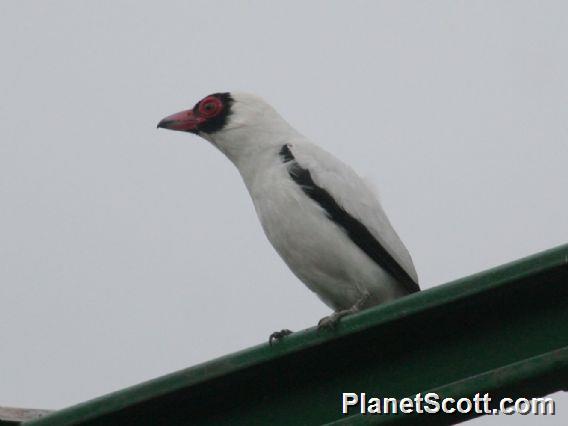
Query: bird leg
<point x="331" y="321"/>
<point x="278" y="335"/>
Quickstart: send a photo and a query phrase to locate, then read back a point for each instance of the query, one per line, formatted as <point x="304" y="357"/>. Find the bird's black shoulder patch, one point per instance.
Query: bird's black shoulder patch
<point x="217" y="123"/>
<point x="286" y="154"/>
<point x="355" y="229"/>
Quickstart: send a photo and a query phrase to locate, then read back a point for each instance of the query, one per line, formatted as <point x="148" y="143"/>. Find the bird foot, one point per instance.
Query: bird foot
<point x="330" y="322"/>
<point x="278" y="335"/>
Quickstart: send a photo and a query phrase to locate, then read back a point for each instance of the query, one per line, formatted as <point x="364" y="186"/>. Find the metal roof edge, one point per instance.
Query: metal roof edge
<point x="462" y="288"/>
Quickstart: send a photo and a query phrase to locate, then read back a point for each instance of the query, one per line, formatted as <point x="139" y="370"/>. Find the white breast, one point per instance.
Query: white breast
<point x="318" y="251"/>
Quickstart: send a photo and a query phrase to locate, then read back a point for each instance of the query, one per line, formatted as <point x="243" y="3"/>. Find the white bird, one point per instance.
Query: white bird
<point x="320" y="216"/>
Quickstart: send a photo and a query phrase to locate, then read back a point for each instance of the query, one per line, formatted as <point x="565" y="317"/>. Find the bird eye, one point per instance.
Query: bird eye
<point x="210" y="107"/>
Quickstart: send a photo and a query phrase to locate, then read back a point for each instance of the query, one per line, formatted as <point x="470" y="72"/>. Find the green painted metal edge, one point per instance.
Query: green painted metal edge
<point x="499" y="383"/>
<point x="296" y="345"/>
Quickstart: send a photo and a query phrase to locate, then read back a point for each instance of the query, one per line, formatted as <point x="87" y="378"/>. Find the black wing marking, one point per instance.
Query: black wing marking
<point x="357" y="231"/>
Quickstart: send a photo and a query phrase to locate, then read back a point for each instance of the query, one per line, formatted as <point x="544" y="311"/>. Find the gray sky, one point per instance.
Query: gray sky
<point x="127" y="253"/>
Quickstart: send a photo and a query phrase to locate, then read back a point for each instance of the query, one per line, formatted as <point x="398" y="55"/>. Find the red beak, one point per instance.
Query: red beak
<point x="185" y="121"/>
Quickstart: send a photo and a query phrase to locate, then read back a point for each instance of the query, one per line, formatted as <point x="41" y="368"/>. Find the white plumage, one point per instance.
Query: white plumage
<point x="320" y="216"/>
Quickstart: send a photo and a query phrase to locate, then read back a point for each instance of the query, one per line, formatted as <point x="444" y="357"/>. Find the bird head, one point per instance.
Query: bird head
<point x="239" y="124"/>
<point x="209" y="115"/>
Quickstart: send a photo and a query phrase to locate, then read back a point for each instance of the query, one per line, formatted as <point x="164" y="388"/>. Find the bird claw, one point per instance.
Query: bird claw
<point x="278" y="335"/>
<point x="330" y="322"/>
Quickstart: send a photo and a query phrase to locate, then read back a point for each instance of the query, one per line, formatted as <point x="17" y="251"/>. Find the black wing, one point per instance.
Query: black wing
<point x="357" y="231"/>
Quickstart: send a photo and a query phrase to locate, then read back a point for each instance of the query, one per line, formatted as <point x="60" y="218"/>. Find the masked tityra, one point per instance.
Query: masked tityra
<point x="320" y="216"/>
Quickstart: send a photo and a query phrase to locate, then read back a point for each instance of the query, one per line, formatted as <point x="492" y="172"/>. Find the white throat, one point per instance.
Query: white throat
<point x="252" y="128"/>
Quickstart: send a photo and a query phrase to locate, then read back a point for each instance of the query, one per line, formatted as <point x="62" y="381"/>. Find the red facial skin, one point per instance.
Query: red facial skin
<point x="189" y="120"/>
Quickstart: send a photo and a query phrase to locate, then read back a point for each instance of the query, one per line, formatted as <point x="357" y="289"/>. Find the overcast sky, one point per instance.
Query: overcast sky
<point x="127" y="253"/>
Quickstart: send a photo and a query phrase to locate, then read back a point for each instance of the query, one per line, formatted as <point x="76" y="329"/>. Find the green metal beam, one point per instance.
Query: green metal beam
<point x="503" y="331"/>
